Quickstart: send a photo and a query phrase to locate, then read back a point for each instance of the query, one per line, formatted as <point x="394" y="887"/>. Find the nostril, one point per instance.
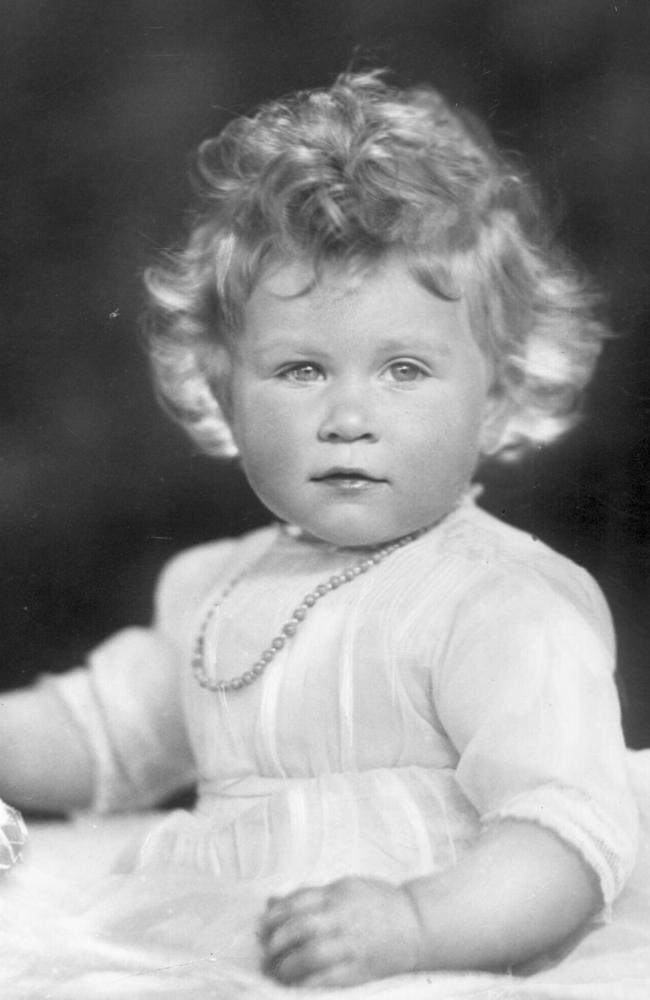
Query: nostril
<point x="347" y="436"/>
<point x="347" y="423"/>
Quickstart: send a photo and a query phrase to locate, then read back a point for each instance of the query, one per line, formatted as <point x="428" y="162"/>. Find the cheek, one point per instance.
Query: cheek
<point x="266" y="422"/>
<point x="266" y="438"/>
<point x="448" y="442"/>
<point x="452" y="421"/>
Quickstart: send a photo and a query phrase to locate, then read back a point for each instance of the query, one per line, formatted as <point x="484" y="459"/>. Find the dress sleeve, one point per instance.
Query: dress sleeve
<point x="126" y="706"/>
<point x="526" y="694"/>
<point x="127" y="700"/>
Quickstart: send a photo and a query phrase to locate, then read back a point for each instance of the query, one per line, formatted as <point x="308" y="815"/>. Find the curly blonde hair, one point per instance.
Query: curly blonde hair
<point x="355" y="173"/>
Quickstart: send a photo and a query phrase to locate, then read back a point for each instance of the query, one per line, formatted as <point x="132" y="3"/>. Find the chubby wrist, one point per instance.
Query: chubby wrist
<point x="440" y="940"/>
<point x="421" y="935"/>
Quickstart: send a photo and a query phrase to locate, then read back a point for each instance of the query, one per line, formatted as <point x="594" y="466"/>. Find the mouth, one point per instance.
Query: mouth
<point x="348" y="479"/>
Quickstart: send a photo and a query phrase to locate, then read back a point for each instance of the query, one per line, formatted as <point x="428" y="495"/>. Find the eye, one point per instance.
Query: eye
<point x="303" y="372"/>
<point x="405" y="371"/>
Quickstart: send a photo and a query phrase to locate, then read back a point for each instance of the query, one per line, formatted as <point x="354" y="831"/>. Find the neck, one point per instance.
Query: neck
<point x="299" y="534"/>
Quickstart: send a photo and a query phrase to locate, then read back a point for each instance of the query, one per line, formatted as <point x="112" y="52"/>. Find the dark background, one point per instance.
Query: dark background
<point x="104" y="102"/>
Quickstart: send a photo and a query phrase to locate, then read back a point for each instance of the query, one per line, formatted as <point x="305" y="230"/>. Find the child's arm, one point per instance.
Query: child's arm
<point x="517" y="893"/>
<point x="45" y="763"/>
<point x="111" y="735"/>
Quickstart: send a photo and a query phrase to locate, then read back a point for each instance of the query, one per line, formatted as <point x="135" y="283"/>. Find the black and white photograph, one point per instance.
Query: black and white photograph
<point x="325" y="500"/>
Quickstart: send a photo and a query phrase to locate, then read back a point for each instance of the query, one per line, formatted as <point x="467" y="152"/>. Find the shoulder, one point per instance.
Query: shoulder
<point x="500" y="573"/>
<point x="502" y="550"/>
<point x="190" y="574"/>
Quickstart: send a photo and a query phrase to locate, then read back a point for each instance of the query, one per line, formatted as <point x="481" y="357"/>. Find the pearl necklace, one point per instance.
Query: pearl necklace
<point x="347" y="574"/>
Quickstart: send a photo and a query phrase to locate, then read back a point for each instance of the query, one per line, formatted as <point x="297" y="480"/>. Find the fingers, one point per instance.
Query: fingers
<point x="282" y="909"/>
<point x="340" y="974"/>
<point x="299" y="939"/>
<point x="291" y="923"/>
<point x="310" y="957"/>
<point x="340" y="934"/>
<point x="292" y="933"/>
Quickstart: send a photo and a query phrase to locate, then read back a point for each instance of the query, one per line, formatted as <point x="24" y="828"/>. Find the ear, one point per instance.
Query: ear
<point x="495" y="417"/>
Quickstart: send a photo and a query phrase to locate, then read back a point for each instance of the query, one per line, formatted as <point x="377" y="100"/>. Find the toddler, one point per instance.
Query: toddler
<point x="399" y="712"/>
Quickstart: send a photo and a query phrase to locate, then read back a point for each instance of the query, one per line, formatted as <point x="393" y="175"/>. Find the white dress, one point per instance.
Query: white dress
<point x="465" y="679"/>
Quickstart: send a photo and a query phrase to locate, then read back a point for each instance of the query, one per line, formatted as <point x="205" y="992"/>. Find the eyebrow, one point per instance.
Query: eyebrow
<point x="398" y="346"/>
<point x="395" y="345"/>
<point x="284" y="346"/>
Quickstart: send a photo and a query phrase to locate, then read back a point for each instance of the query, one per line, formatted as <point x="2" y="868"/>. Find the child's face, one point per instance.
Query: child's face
<point x="357" y="407"/>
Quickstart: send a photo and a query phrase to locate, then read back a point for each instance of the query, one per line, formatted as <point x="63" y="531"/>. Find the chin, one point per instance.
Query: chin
<point x="349" y="535"/>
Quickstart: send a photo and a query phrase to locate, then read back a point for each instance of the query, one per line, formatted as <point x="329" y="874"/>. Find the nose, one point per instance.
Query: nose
<point x="349" y="416"/>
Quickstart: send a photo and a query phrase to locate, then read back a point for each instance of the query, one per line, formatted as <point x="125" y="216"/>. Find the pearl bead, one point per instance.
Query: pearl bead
<point x="289" y="628"/>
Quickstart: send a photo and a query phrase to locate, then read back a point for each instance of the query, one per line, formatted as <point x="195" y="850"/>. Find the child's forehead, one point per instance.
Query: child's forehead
<point x="294" y="279"/>
<point x="380" y="302"/>
<point x="302" y="287"/>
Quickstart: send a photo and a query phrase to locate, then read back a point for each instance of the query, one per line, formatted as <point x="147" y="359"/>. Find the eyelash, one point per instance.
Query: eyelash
<point x="292" y="372"/>
<point x="414" y="366"/>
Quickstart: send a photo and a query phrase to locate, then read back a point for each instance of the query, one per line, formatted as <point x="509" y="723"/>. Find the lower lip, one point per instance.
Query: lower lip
<point x="350" y="485"/>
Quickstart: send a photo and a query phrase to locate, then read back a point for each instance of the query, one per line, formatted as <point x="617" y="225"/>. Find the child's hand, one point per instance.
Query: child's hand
<point x="339" y="934"/>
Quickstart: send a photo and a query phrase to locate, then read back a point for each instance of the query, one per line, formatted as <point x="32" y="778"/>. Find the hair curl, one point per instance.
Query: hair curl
<point x="353" y="174"/>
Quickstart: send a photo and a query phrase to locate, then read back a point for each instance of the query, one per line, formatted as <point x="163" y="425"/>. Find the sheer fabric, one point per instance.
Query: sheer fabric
<point x="466" y="679"/>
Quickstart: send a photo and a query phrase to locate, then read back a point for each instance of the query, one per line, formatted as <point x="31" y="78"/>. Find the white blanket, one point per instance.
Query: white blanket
<point x="47" y="951"/>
